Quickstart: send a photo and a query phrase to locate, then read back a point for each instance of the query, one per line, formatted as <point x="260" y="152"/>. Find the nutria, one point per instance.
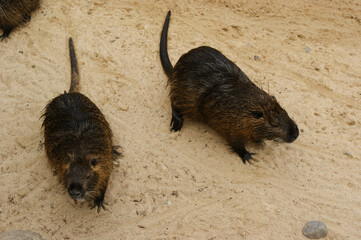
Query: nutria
<point x="78" y="142"/>
<point x="208" y="87"/>
<point x="15" y="12"/>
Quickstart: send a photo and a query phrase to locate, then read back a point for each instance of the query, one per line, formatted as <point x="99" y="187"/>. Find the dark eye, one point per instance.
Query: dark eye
<point x="94" y="162"/>
<point x="257" y="114"/>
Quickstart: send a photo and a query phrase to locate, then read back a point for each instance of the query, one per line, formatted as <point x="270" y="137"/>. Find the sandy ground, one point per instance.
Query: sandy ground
<point x="188" y="185"/>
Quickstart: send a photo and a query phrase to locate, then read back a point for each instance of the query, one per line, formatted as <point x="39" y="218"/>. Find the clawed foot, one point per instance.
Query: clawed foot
<point x="99" y="203"/>
<point x="247" y="157"/>
<point x="27" y="18"/>
<point x="4" y="36"/>
<point x="177" y="121"/>
<point x="243" y="153"/>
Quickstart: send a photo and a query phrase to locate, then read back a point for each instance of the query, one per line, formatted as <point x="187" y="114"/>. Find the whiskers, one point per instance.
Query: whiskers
<point x="279" y="140"/>
<point x="90" y="195"/>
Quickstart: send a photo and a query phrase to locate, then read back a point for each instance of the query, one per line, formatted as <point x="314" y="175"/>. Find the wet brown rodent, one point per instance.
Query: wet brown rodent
<point x="206" y="86"/>
<point x="15" y="12"/>
<point x="78" y="142"/>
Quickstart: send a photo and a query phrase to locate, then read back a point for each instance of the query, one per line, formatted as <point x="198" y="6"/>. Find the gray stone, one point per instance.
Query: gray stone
<point x="20" y="235"/>
<point x="256" y="57"/>
<point x="315" y="230"/>
<point x="348" y="154"/>
<point x="307" y="49"/>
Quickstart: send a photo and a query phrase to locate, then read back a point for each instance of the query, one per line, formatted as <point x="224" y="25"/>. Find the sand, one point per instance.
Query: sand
<point x="187" y="185"/>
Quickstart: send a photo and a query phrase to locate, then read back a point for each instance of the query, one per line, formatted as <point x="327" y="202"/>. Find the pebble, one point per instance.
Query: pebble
<point x="348" y="154"/>
<point x="314" y="230"/>
<point x="20" y="235"/>
<point x="249" y="44"/>
<point x="307" y="49"/>
<point x="256" y="57"/>
<point x="201" y="189"/>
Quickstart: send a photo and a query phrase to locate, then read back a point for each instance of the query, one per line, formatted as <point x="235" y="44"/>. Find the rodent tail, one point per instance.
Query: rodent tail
<point x="74" y="85"/>
<point x="164" y="58"/>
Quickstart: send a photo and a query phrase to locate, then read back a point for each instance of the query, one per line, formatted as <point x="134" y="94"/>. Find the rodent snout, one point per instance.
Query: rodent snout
<point x="292" y="132"/>
<point x="76" y="190"/>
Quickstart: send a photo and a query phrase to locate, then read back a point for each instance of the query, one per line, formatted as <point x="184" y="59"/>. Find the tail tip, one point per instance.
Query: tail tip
<point x="169" y="13"/>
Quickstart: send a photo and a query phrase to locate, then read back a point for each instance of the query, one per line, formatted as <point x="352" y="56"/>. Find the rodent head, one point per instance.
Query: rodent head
<point x="270" y="121"/>
<point x="81" y="176"/>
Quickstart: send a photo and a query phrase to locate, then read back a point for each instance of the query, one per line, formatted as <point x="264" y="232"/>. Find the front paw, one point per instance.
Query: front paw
<point x="247" y="157"/>
<point x="4" y="36"/>
<point x="177" y="121"/>
<point x="99" y="203"/>
<point x="243" y="153"/>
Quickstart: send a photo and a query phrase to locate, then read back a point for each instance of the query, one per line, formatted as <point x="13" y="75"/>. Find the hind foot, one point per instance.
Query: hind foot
<point x="177" y="121"/>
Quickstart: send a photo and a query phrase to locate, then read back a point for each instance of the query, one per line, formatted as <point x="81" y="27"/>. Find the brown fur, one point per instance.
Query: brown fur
<point x="208" y="87"/>
<point x="78" y="142"/>
<point x="15" y="12"/>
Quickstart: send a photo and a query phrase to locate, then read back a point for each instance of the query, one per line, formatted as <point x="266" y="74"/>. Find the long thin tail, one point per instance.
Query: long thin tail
<point x="74" y="85"/>
<point x="164" y="58"/>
